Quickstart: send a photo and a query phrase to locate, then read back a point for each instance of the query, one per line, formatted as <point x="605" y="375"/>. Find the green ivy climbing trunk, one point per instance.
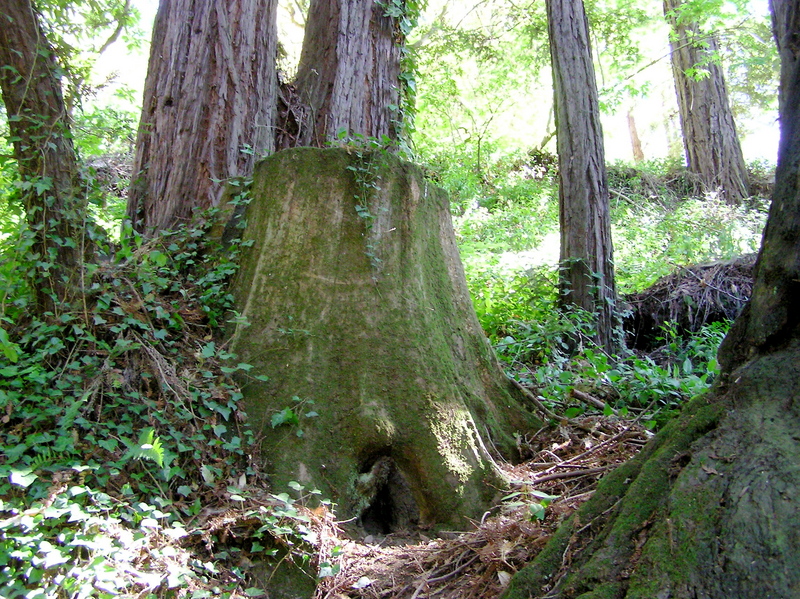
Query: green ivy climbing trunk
<point x="359" y="314"/>
<point x="43" y="149"/>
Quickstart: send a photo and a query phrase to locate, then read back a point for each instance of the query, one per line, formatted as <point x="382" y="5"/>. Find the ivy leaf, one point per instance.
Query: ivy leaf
<point x="207" y="474"/>
<point x="537" y="510"/>
<point x="43" y="184"/>
<point x="285" y="416"/>
<point x="10" y="350"/>
<point x="22" y="478"/>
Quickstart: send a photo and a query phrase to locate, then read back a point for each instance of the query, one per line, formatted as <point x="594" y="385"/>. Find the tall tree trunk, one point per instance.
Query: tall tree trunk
<point x="709" y="508"/>
<point x="209" y="106"/>
<point x="587" y="271"/>
<point x="349" y="73"/>
<point x="45" y="155"/>
<point x="710" y="141"/>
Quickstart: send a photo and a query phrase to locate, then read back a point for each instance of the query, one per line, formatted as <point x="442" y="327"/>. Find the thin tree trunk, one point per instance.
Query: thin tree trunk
<point x="710" y="141"/>
<point x="636" y="142"/>
<point x="209" y="106"/>
<point x="349" y="73"/>
<point x="587" y="272"/>
<point x="45" y="154"/>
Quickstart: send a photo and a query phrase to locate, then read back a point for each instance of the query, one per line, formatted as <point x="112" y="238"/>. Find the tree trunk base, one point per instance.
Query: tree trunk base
<point x="382" y="386"/>
<point x="708" y="510"/>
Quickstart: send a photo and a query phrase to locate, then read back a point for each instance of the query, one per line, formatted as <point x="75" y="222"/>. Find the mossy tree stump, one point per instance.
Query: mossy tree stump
<point x="357" y="301"/>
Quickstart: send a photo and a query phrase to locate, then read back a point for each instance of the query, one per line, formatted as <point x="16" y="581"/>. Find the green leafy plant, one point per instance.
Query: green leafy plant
<point x="120" y="420"/>
<point x="536" y="502"/>
<point x="366" y="171"/>
<point x="291" y="416"/>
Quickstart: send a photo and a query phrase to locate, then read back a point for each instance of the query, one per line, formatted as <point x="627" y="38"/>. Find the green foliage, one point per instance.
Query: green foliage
<point x="69" y="543"/>
<point x="534" y="501"/>
<point x="655" y="230"/>
<point x="291" y="415"/>
<point x="121" y="422"/>
<point x="104" y="130"/>
<point x="79" y="32"/>
<point x="751" y="66"/>
<point x="510" y="257"/>
<point x="406" y="14"/>
<point x="653" y="385"/>
<point x="369" y="153"/>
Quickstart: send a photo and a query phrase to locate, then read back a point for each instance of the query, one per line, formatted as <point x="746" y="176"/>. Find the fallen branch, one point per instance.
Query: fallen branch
<point x="572" y="473"/>
<point x="591" y="400"/>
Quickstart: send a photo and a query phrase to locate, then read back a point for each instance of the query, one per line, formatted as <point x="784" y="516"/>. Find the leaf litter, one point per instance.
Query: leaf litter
<point x="565" y="462"/>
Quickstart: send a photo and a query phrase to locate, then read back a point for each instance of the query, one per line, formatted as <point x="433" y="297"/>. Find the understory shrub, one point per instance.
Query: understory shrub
<point x="123" y="432"/>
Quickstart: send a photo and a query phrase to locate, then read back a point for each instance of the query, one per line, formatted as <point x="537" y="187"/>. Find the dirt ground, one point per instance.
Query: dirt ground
<point x="563" y="463"/>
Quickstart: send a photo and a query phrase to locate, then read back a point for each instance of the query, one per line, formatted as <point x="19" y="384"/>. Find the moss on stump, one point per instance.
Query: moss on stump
<point x="357" y="301"/>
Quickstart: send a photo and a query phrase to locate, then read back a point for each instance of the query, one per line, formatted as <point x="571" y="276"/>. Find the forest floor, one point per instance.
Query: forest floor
<point x="563" y="462"/>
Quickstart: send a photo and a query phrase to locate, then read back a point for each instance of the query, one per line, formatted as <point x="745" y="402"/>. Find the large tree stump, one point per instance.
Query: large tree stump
<point x="357" y="301"/>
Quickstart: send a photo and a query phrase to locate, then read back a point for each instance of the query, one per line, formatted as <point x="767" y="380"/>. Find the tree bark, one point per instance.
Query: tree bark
<point x="708" y="509"/>
<point x="349" y="73"/>
<point x="357" y="301"/>
<point x="710" y="141"/>
<point x="209" y="106"/>
<point x="636" y="142"/>
<point x="587" y="271"/>
<point x="43" y="149"/>
<point x="771" y="319"/>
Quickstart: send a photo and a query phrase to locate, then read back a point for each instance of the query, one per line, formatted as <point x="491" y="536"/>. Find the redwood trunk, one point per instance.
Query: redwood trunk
<point x="710" y="141"/>
<point x="209" y="106"/>
<point x="40" y="130"/>
<point x="349" y="73"/>
<point x="587" y="272"/>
